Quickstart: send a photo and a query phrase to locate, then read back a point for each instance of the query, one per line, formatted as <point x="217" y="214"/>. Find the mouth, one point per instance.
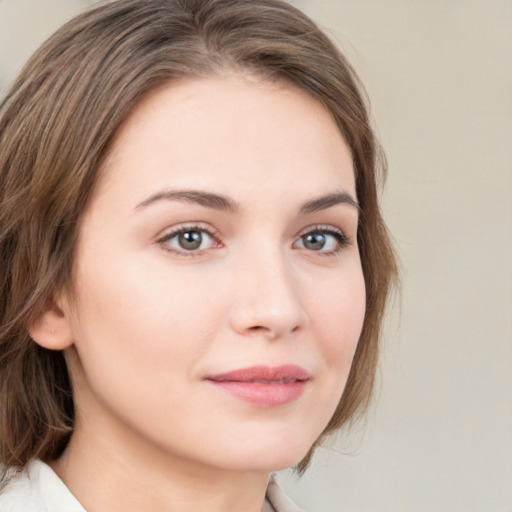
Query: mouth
<point x="263" y="386"/>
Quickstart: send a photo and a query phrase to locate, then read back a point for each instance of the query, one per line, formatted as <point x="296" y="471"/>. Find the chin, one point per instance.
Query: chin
<point x="268" y="457"/>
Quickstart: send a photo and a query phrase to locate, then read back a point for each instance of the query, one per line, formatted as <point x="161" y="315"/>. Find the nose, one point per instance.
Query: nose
<point x="267" y="301"/>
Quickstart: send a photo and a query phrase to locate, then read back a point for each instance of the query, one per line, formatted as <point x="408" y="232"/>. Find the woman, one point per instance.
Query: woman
<point x="194" y="265"/>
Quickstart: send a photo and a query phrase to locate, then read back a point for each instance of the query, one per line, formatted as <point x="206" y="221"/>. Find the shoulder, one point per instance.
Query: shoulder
<point x="36" y="488"/>
<point x="278" y="499"/>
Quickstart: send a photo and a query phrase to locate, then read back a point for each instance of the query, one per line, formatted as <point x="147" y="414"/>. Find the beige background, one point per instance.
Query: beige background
<point x="439" y="73"/>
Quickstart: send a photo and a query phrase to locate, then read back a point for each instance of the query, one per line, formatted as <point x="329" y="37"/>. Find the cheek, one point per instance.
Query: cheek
<point x="140" y="333"/>
<point x="338" y="314"/>
<point x="143" y="318"/>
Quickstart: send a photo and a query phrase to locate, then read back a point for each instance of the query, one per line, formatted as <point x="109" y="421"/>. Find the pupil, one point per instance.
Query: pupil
<point x="190" y="240"/>
<point x="315" y="241"/>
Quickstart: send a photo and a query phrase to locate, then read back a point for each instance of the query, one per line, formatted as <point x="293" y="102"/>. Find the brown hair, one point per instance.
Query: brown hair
<point x="56" y="124"/>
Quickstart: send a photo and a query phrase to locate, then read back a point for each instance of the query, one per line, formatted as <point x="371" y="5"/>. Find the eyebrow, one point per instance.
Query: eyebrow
<point x="220" y="202"/>
<point x="207" y="199"/>
<point x="324" y="202"/>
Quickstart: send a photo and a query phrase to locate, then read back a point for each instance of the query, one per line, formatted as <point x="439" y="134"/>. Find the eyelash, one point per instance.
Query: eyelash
<point x="342" y="240"/>
<point x="163" y="241"/>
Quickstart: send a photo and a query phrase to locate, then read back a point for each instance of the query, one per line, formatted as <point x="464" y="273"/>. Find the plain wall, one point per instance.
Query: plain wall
<point x="439" y="75"/>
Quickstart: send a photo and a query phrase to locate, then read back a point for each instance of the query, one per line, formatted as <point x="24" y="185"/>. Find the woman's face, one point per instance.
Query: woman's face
<point x="219" y="291"/>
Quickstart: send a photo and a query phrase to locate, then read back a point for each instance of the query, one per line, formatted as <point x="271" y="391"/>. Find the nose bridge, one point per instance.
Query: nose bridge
<point x="267" y="300"/>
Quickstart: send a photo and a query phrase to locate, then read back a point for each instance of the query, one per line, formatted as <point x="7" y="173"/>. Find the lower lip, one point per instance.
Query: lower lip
<point x="262" y="394"/>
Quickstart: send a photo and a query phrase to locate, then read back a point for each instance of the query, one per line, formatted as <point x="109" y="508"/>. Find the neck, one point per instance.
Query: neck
<point x="121" y="474"/>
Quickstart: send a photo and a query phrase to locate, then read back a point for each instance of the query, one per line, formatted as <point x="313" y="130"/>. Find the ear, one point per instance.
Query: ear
<point x="52" y="329"/>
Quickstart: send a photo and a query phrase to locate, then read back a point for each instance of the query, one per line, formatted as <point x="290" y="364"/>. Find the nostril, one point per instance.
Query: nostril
<point x="269" y="332"/>
<point x="265" y="332"/>
<point x="258" y="328"/>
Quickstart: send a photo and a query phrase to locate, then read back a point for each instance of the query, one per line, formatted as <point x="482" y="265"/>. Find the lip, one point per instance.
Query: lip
<point x="263" y="386"/>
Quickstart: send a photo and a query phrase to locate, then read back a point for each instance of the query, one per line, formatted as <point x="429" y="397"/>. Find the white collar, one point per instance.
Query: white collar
<point x="37" y="488"/>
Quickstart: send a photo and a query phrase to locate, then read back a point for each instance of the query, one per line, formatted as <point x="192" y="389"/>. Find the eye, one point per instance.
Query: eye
<point x="323" y="240"/>
<point x="189" y="241"/>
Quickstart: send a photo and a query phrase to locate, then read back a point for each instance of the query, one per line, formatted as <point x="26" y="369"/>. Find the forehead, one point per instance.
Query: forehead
<point x="240" y="134"/>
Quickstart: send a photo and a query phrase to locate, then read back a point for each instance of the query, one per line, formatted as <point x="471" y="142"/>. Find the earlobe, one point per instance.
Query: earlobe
<point x="51" y="329"/>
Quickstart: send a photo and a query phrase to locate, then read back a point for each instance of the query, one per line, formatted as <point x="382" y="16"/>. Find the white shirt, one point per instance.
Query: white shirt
<point x="38" y="489"/>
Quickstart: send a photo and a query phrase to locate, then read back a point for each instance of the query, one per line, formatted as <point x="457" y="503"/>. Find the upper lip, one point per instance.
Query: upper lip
<point x="284" y="373"/>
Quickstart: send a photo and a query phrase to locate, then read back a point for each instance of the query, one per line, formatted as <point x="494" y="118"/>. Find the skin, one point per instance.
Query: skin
<point x="150" y="319"/>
